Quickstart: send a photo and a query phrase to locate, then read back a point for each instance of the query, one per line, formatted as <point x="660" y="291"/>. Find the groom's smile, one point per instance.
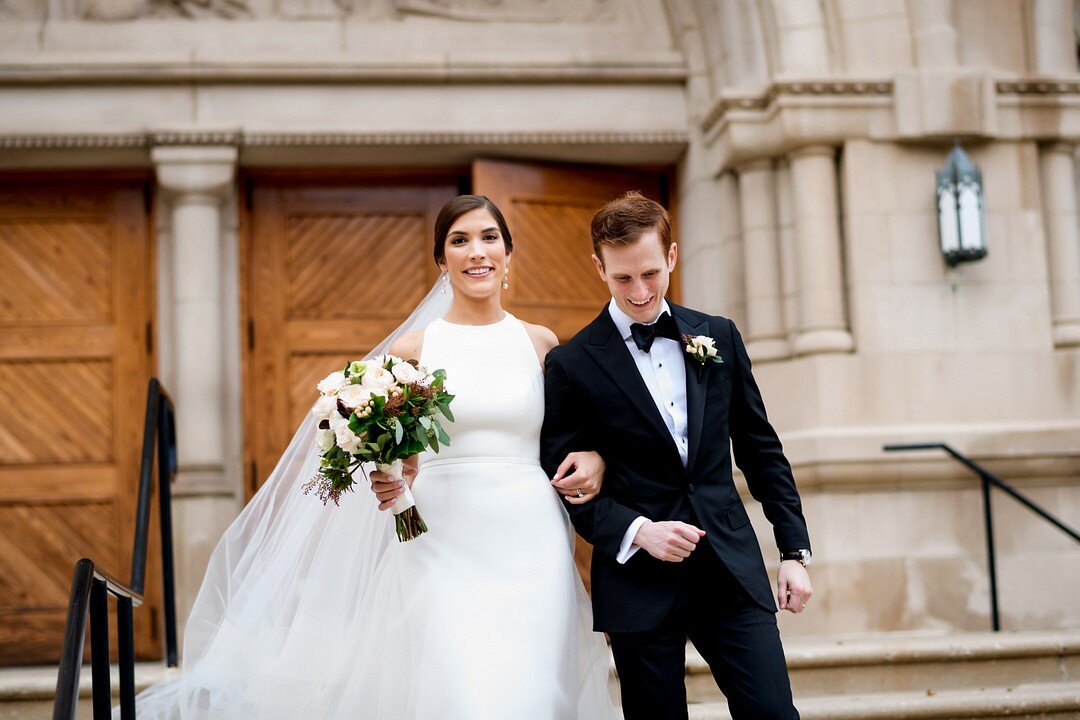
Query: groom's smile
<point x="637" y="274"/>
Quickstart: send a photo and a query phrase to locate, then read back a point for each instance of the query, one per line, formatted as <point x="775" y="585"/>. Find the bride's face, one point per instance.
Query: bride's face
<point x="475" y="255"/>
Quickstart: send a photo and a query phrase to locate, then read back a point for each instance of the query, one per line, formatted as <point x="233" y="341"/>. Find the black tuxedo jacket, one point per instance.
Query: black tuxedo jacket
<point x="597" y="400"/>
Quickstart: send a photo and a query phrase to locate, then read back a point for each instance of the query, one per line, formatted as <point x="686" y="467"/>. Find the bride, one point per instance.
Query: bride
<point x="309" y="611"/>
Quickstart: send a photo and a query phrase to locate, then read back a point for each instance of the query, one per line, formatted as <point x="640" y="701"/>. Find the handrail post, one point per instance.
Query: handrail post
<point x="988" y="479"/>
<point x="125" y="631"/>
<point x="99" y="650"/>
<point x="67" y="683"/>
<point x="991" y="559"/>
<point x="166" y="430"/>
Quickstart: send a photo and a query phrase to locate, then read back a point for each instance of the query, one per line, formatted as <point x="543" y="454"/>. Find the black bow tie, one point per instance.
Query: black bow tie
<point x="663" y="327"/>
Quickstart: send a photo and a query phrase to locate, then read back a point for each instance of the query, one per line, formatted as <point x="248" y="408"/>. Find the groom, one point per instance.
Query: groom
<point x="674" y="554"/>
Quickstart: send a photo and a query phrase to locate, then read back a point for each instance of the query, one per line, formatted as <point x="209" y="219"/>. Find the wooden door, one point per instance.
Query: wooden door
<point x="332" y="268"/>
<point x="548" y="209"/>
<point x="75" y="358"/>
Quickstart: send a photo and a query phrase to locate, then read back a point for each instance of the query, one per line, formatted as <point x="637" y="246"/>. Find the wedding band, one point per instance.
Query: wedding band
<point x="579" y="493"/>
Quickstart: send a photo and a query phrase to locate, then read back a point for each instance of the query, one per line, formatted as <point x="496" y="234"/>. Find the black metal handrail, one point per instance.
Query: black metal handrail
<point x="91" y="585"/>
<point x="986" y="480"/>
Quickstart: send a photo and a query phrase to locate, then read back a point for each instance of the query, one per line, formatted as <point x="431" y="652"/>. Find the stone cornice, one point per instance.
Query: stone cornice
<point x="331" y="139"/>
<point x="764" y="101"/>
<point x="275" y="72"/>
<point x="1046" y="87"/>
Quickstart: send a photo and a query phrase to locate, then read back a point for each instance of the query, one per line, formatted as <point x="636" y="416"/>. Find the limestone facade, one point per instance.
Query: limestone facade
<point x="804" y="137"/>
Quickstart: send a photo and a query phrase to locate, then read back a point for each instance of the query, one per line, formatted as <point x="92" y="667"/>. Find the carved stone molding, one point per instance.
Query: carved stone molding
<point x="323" y="139"/>
<point x="73" y="142"/>
<point x="663" y="68"/>
<point x="454" y="138"/>
<point x="1037" y="87"/>
<point x="810" y="88"/>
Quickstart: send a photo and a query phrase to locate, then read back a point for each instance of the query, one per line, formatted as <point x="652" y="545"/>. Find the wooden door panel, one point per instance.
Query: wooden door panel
<point x="548" y="209"/>
<point x="333" y="266"/>
<point x="75" y="308"/>
<point x="553" y="281"/>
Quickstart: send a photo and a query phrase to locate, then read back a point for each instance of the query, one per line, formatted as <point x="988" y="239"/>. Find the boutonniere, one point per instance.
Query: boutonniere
<point x="701" y="348"/>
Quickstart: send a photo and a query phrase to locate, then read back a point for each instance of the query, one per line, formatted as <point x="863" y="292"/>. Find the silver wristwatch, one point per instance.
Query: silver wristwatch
<point x="802" y="555"/>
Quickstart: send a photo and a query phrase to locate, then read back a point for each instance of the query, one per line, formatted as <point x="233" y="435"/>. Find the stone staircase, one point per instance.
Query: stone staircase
<point x="1015" y="675"/>
<point x="1022" y="675"/>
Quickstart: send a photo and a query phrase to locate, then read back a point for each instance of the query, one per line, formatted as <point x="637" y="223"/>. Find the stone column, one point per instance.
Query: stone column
<point x="822" y="323"/>
<point x="1063" y="241"/>
<point x="761" y="255"/>
<point x="733" y="279"/>
<point x="937" y="44"/>
<point x="1051" y="37"/>
<point x="197" y="180"/>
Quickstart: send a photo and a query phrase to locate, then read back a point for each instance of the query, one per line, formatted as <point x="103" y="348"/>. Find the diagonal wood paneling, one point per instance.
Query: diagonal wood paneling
<point x="554" y="254"/>
<point x="39" y="545"/>
<point x="56" y="412"/>
<point x="336" y="264"/>
<point x="55" y="270"/>
<point x="332" y="265"/>
<point x="75" y="306"/>
<point x="307" y="369"/>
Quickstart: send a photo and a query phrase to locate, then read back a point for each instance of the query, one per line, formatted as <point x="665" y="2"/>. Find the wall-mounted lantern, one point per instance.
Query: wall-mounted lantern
<point x="961" y="216"/>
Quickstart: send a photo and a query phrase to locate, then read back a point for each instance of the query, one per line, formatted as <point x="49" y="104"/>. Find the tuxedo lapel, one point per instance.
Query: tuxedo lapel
<point x="609" y="351"/>
<point x="696" y="384"/>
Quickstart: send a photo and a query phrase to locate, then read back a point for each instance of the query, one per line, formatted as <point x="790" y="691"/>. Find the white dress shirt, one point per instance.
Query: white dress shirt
<point x="664" y="372"/>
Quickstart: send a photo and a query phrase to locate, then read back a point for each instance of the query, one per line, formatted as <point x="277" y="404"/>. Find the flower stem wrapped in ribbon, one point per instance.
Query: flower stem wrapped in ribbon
<point x="380" y="411"/>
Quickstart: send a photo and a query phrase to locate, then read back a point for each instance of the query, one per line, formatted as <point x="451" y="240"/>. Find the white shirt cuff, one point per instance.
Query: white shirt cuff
<point x="628" y="548"/>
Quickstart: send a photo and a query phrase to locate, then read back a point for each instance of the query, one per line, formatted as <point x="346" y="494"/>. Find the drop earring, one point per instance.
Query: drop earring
<point x="444" y="281"/>
<point x="506" y="278"/>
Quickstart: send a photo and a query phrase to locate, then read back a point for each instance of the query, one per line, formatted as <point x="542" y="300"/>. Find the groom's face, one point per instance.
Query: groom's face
<point x="638" y="274"/>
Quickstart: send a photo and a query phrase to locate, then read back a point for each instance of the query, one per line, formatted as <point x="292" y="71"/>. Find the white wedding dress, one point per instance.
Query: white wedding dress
<point x="318" y="612"/>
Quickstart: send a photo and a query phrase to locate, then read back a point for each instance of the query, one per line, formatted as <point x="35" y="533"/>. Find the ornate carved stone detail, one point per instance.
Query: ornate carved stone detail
<point x="195" y="137"/>
<point x="1037" y="87"/>
<point x="72" y="142"/>
<point x="537" y="11"/>
<point x="830" y="88"/>
<point x="300" y="139"/>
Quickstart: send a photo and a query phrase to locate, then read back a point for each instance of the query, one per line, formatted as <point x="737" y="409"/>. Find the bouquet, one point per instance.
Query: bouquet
<point x="381" y="410"/>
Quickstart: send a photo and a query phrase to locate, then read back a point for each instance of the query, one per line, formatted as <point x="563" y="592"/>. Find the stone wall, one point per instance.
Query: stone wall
<point x="804" y="136"/>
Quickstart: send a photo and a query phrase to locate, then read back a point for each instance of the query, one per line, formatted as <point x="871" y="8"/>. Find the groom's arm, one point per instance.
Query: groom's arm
<point x="760" y="456"/>
<point x="602" y="521"/>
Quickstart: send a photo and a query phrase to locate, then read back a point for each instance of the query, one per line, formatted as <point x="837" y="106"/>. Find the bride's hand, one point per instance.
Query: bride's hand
<point x="580" y="476"/>
<point x="387" y="488"/>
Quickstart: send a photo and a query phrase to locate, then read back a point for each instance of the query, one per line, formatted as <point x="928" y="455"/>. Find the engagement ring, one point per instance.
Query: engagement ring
<point x="579" y="493"/>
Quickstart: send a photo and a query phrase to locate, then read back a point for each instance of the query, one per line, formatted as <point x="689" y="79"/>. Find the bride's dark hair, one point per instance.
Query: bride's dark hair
<point x="457" y="207"/>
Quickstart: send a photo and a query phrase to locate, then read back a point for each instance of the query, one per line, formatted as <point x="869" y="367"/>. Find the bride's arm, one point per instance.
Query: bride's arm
<point x="581" y="474"/>
<point x="388" y="488"/>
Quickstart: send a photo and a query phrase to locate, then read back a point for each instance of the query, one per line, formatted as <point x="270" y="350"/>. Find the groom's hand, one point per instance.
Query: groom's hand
<point x="670" y="540"/>
<point x="793" y="589"/>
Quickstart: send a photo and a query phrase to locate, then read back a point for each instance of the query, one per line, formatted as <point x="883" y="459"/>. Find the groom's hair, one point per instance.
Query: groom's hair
<point x="624" y="220"/>
<point x="457" y="207"/>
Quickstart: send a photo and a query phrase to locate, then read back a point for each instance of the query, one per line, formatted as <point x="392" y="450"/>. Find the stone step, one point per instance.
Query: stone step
<point x="28" y="693"/>
<point x="1053" y="701"/>
<point x="920" y="664"/>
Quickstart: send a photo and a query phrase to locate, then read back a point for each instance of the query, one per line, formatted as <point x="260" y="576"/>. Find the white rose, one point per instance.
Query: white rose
<point x="704" y="345"/>
<point x="332" y="383"/>
<point x="354" y="396"/>
<point x="377" y="377"/>
<point x="324" y="407"/>
<point x="406" y="373"/>
<point x="324" y="439"/>
<point x="347" y="440"/>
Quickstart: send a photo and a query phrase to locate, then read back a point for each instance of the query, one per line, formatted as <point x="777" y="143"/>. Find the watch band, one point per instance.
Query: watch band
<point x="801" y="555"/>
